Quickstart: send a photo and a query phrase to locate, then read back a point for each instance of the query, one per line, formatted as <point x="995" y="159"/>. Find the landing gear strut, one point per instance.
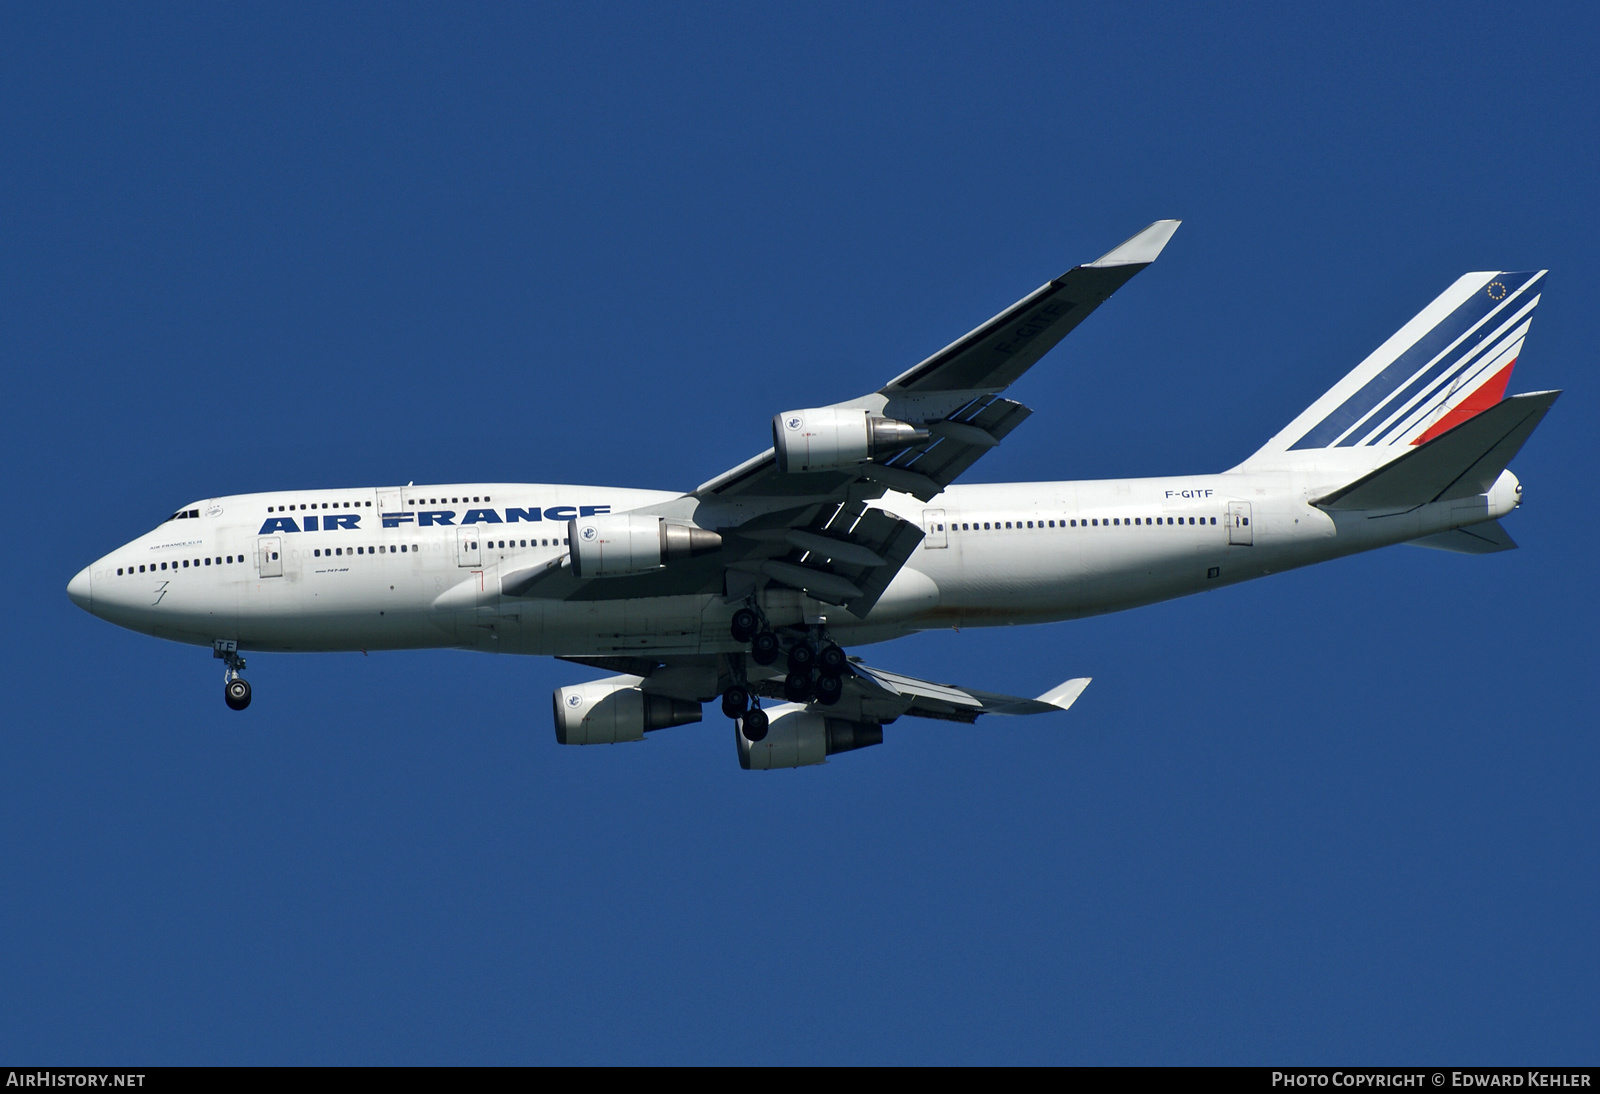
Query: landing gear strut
<point x="235" y="688"/>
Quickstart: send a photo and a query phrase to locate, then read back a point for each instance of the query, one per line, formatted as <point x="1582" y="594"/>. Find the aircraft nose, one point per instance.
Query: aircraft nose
<point x="78" y="590"/>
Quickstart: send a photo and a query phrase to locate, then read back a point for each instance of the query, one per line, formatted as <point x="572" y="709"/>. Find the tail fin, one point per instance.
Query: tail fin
<point x="1451" y="362"/>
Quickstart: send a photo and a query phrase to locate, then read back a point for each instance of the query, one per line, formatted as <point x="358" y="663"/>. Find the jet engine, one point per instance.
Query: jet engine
<point x="605" y="712"/>
<point x="801" y="738"/>
<point x="618" y="544"/>
<point x="830" y="437"/>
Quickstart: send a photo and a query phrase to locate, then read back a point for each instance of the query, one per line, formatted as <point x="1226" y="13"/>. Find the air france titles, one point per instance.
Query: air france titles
<point x="432" y="518"/>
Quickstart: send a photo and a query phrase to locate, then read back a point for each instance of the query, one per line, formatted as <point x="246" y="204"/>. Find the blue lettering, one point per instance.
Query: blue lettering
<point x="311" y="524"/>
<point x="428" y="518"/>
<point x="561" y="512"/>
<point x="334" y="521"/>
<point x="591" y="510"/>
<point x="481" y="516"/>
<point x="278" y="524"/>
<point x="394" y="520"/>
<point x="514" y="515"/>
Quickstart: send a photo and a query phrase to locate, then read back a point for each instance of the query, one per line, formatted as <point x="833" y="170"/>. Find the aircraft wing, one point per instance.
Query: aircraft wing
<point x="870" y="695"/>
<point x="814" y="530"/>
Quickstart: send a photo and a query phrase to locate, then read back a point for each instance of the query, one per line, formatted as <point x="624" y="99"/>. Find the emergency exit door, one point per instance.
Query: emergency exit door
<point x="933" y="533"/>
<point x="469" y="546"/>
<point x="269" y="556"/>
<point x="1239" y="532"/>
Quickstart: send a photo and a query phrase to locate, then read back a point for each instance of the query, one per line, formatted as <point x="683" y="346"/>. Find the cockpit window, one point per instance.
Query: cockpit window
<point x="183" y="514"/>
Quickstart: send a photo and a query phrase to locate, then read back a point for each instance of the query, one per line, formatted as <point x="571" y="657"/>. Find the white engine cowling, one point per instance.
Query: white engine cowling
<point x="825" y="438"/>
<point x="619" y="544"/>
<point x="800" y="738"/>
<point x="604" y="712"/>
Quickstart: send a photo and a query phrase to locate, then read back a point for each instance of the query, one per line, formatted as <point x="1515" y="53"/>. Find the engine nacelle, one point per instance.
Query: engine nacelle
<point x="803" y="737"/>
<point x="604" y="712"/>
<point x="828" y="437"/>
<point x="619" y="544"/>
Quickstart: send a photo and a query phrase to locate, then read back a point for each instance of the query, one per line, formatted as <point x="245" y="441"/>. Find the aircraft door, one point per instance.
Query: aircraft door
<point x="389" y="503"/>
<point x="1239" y="533"/>
<point x="469" y="546"/>
<point x="933" y="536"/>
<point x="269" y="556"/>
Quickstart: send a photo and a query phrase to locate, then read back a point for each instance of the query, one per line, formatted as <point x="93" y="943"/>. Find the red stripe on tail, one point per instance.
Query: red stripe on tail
<point x="1480" y="400"/>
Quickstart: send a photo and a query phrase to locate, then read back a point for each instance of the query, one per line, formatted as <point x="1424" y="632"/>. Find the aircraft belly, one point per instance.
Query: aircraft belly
<point x="1008" y="579"/>
<point x="667" y="624"/>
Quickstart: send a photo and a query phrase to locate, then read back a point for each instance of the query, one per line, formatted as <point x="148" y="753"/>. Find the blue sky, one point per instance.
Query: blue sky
<point x="1343" y="814"/>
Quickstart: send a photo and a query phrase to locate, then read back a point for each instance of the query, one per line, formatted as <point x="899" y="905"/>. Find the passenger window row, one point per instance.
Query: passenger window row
<point x="1091" y="522"/>
<point x="445" y="501"/>
<point x="511" y="543"/>
<point x="183" y="564"/>
<point x="330" y="552"/>
<point x="324" y="505"/>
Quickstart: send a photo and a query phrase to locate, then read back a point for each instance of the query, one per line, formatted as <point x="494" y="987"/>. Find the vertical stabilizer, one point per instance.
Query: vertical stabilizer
<point x="1451" y="362"/>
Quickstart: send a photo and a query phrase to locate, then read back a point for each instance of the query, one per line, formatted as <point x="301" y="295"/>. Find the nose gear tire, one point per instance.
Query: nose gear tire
<point x="236" y="694"/>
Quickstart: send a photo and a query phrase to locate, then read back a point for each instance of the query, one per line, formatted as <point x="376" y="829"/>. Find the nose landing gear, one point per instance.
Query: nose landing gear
<point x="235" y="688"/>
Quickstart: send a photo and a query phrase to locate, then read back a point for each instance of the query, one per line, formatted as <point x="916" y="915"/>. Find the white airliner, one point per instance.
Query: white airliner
<point x="848" y="531"/>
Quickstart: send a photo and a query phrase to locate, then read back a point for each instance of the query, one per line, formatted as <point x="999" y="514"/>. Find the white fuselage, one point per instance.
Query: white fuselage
<point x="247" y="568"/>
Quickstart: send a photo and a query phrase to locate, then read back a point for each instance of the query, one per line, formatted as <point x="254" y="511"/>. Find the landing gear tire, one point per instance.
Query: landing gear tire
<point x="236" y="693"/>
<point x="735" y="701"/>
<point x="764" y="648"/>
<point x="745" y="625"/>
<point x="754" y="726"/>
<point x="829" y="688"/>
<point x="797" y="687"/>
<point x="831" y="659"/>
<point x="801" y="658"/>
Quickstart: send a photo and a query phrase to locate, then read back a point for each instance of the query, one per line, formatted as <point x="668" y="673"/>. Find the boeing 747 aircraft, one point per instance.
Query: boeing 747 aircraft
<point x="848" y="531"/>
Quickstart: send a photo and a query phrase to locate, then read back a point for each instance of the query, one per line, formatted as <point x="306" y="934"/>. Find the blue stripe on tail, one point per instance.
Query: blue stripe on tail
<point x="1430" y="345"/>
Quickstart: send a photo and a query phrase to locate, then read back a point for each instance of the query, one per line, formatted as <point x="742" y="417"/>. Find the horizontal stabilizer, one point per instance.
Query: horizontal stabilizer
<point x="1485" y="538"/>
<point x="1460" y="463"/>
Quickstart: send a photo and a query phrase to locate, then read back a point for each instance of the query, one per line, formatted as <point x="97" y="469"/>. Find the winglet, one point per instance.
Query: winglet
<point x="1142" y="248"/>
<point x="1064" y="695"/>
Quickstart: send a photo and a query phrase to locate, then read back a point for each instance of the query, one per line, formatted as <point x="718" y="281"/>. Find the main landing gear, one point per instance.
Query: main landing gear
<point x="235" y="688"/>
<point x="816" y="665"/>
<point x="752" y="721"/>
